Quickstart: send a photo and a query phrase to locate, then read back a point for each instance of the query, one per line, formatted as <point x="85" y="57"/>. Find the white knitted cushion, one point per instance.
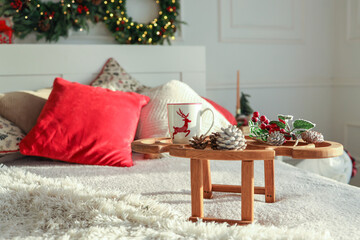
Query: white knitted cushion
<point x="153" y="119"/>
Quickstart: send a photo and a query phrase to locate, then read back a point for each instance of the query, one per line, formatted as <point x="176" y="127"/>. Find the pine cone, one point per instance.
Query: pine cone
<point x="231" y="138"/>
<point x="312" y="137"/>
<point x="43" y="26"/>
<point x="199" y="142"/>
<point x="213" y="143"/>
<point x="276" y="139"/>
<point x="96" y="18"/>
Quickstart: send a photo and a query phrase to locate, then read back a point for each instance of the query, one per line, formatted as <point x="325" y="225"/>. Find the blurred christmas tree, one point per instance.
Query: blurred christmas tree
<point x="242" y="116"/>
<point x="245" y="105"/>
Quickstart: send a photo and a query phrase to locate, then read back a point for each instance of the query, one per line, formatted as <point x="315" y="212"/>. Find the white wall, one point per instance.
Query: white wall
<point x="346" y="95"/>
<point x="283" y="49"/>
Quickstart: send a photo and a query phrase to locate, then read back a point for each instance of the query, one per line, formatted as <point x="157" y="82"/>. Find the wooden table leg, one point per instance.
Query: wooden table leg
<point x="207" y="179"/>
<point x="247" y="191"/>
<point x="269" y="181"/>
<point x="197" y="190"/>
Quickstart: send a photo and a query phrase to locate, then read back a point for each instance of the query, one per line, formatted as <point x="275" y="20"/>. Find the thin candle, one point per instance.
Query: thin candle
<point x="238" y="94"/>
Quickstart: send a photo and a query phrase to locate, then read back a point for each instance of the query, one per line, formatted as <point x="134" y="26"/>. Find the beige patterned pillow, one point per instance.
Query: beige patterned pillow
<point x="23" y="108"/>
<point x="10" y="137"/>
<point x="115" y="78"/>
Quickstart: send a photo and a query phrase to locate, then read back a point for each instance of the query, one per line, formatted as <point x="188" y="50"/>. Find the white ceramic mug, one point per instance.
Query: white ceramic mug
<point x="185" y="121"/>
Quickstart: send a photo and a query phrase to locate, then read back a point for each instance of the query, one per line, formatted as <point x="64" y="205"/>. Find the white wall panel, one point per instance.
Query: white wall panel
<point x="346" y="91"/>
<point x="275" y="14"/>
<point x="351" y="141"/>
<point x="345" y="110"/>
<point x="269" y="21"/>
<point x="353" y="19"/>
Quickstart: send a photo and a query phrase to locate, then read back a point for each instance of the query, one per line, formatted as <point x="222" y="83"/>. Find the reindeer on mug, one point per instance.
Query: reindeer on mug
<point x="184" y="128"/>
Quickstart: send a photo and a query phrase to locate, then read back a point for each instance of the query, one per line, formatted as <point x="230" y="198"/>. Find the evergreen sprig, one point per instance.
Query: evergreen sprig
<point x="245" y="105"/>
<point x="261" y="127"/>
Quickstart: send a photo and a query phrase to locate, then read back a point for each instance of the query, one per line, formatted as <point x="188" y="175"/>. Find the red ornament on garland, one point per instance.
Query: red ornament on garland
<point x="16" y="4"/>
<point x="79" y="9"/>
<point x="171" y="9"/>
<point x="82" y="8"/>
<point x="5" y="32"/>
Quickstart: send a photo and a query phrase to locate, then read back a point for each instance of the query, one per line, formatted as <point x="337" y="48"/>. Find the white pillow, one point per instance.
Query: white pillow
<point x="338" y="168"/>
<point x="153" y="119"/>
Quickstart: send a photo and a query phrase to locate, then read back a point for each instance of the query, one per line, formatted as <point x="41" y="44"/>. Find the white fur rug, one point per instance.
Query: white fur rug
<point x="46" y="199"/>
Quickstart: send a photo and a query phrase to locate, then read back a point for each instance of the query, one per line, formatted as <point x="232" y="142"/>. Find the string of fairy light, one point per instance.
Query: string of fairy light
<point x="111" y="12"/>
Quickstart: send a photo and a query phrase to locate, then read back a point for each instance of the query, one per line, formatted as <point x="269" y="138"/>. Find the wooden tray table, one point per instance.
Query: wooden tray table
<point x="201" y="185"/>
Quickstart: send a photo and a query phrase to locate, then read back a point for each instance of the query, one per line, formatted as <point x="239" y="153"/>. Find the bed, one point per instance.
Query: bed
<point x="44" y="198"/>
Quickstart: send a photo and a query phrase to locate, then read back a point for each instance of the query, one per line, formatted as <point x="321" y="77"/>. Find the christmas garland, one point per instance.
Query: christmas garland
<point x="54" y="20"/>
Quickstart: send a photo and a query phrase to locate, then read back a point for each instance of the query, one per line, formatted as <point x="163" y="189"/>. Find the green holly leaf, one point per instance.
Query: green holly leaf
<point x="285" y="117"/>
<point x="257" y="131"/>
<point x="278" y="123"/>
<point x="264" y="131"/>
<point x="303" y="124"/>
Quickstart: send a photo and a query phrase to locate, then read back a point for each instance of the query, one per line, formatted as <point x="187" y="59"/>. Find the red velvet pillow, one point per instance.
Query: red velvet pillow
<point x="87" y="125"/>
<point x="223" y="111"/>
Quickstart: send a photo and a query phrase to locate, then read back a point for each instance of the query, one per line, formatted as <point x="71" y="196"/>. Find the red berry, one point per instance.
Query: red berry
<point x="282" y="131"/>
<point x="287" y="137"/>
<point x="268" y="127"/>
<point x="256" y="114"/>
<point x="254" y="119"/>
<point x="277" y="129"/>
<point x="273" y="125"/>
<point x="262" y="118"/>
<point x="262" y="126"/>
<point x="266" y="121"/>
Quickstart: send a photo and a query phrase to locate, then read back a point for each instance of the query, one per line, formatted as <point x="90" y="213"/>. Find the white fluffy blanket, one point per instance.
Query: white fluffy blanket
<point x="307" y="206"/>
